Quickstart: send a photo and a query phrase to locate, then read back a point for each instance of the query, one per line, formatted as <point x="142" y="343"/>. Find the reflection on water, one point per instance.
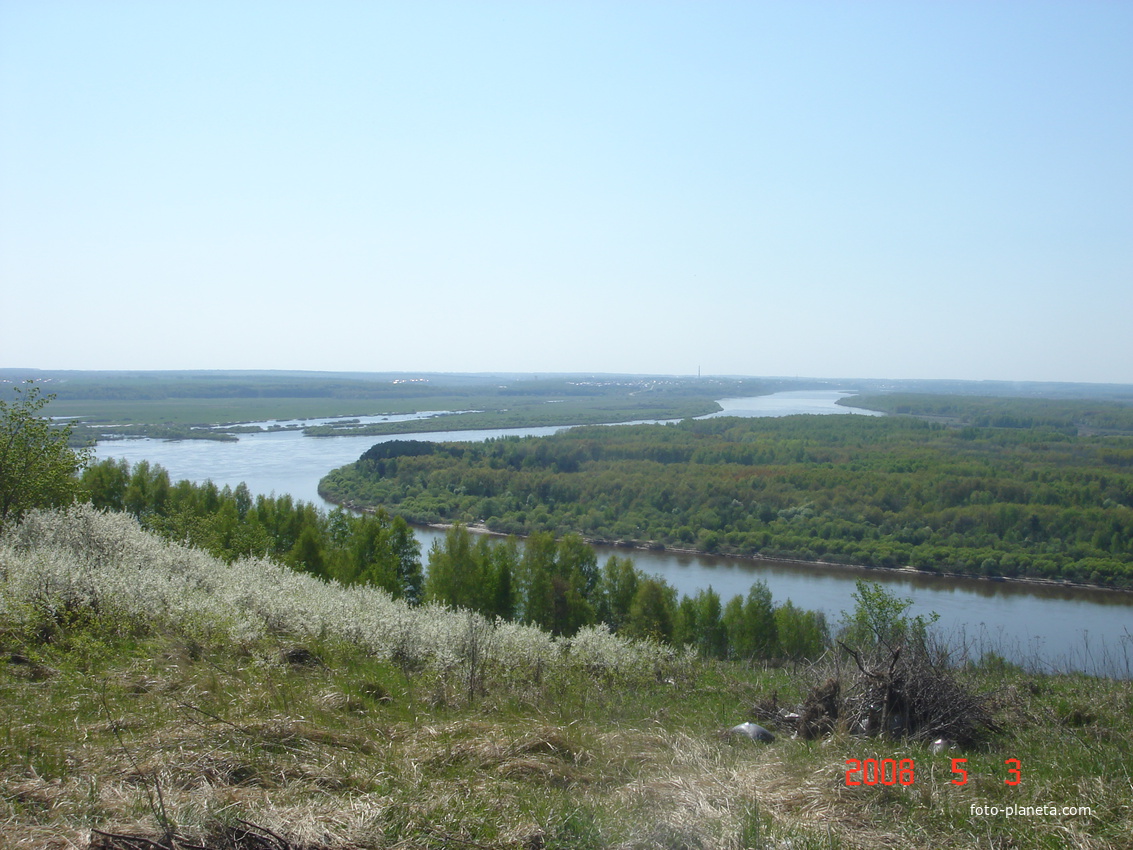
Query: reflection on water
<point x="788" y="404"/>
<point x="1057" y="626"/>
<point x="1040" y="626"/>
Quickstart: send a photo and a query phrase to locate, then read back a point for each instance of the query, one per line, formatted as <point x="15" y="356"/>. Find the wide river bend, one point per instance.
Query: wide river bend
<point x="1045" y="627"/>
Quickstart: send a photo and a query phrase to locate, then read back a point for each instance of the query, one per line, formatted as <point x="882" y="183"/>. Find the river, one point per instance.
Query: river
<point x="1041" y="627"/>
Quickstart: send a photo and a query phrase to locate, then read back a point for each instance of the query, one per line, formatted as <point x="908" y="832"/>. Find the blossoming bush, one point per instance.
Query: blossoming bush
<point x="82" y="561"/>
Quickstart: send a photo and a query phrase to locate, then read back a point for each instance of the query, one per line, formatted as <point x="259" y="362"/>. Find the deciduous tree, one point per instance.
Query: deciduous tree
<point x="37" y="466"/>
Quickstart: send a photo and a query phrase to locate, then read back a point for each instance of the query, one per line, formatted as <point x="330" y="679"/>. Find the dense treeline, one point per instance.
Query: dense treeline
<point x="552" y="583"/>
<point x="1067" y="415"/>
<point x="556" y="584"/>
<point x="373" y="549"/>
<point x="887" y="492"/>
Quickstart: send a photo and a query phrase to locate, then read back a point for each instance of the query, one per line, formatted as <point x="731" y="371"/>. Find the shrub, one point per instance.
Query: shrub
<point x="55" y="563"/>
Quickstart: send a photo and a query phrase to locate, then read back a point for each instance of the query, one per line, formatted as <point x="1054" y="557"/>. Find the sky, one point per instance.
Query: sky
<point x="825" y="189"/>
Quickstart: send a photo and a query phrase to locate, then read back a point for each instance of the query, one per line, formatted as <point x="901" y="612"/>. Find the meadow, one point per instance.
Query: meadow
<point x="155" y="696"/>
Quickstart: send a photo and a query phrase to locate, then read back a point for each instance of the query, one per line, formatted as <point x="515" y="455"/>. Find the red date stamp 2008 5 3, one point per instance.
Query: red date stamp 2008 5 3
<point x="903" y="772"/>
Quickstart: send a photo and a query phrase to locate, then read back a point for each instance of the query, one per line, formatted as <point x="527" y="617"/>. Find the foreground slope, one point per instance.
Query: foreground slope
<point x="149" y="690"/>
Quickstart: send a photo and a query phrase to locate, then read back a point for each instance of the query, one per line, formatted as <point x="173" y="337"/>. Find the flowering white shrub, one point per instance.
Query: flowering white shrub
<point x="595" y="648"/>
<point x="82" y="558"/>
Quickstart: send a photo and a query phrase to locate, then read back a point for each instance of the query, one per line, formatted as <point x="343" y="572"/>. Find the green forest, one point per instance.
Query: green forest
<point x="1069" y="415"/>
<point x="554" y="583"/>
<point x="373" y="549"/>
<point x="1033" y="502"/>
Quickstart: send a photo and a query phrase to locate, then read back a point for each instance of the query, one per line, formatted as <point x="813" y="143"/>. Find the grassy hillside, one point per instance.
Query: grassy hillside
<point x="153" y="696"/>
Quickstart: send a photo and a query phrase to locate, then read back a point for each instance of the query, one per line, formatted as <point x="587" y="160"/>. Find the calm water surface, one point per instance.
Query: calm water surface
<point x="1044" y="627"/>
<point x="788" y="404"/>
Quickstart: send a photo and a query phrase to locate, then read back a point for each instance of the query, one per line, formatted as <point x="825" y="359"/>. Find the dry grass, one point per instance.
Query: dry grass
<point x="328" y="774"/>
<point x="173" y="727"/>
<point x="331" y="776"/>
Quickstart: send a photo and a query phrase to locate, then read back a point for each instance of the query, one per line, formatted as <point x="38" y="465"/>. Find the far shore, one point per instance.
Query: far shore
<point x="480" y="528"/>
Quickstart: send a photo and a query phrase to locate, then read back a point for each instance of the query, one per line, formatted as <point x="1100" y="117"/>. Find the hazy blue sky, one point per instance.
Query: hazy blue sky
<point x="843" y="189"/>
